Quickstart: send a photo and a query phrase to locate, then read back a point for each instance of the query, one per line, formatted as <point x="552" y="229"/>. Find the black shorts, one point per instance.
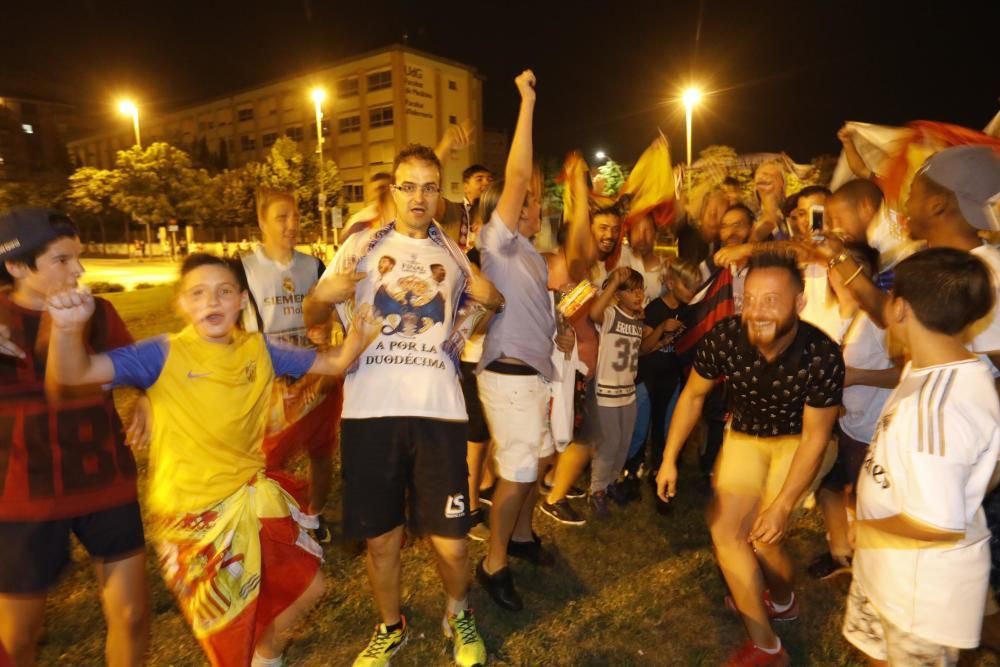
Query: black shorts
<point x="478" y="430"/>
<point x="34" y="553"/>
<point x="408" y="470"/>
<point x="850" y="457"/>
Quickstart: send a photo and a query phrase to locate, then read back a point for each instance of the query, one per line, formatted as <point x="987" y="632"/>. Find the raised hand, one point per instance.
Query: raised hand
<point x="70" y="308"/>
<point x="526" y="85"/>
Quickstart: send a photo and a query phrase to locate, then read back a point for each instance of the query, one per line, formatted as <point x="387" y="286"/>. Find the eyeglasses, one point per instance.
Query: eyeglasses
<point x="410" y="189"/>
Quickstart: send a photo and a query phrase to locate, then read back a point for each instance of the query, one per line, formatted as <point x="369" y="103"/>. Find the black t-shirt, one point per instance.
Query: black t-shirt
<point x="661" y="360"/>
<point x="768" y="397"/>
<point x="691" y="247"/>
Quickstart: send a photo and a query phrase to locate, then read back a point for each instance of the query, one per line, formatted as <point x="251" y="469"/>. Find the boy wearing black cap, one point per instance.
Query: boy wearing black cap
<point x="64" y="464"/>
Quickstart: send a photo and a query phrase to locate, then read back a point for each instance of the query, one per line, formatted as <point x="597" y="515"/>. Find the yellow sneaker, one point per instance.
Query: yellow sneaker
<point x="469" y="648"/>
<point x="382" y="646"/>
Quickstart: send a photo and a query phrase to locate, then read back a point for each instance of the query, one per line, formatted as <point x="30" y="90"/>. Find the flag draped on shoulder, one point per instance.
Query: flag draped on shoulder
<point x="712" y="303"/>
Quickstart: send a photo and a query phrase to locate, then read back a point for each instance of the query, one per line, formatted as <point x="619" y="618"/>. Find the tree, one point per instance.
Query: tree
<point x="610" y="178"/>
<point x="229" y="199"/>
<point x="42" y="190"/>
<point x="89" y="196"/>
<point x="285" y="168"/>
<point x="158" y="184"/>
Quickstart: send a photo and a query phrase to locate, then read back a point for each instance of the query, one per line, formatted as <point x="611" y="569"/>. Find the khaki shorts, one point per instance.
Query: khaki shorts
<point x="753" y="466"/>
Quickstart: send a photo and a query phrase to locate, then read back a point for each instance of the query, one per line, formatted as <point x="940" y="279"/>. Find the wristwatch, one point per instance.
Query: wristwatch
<point x="842" y="257"/>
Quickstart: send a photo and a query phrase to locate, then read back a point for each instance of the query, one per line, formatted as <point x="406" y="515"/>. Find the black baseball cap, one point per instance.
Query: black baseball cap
<point x="24" y="230"/>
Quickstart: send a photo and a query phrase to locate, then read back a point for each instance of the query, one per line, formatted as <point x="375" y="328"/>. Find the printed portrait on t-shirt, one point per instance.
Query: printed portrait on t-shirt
<point x="409" y="296"/>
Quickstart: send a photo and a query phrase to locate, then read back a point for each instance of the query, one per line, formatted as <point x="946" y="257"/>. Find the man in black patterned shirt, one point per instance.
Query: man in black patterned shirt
<point x="785" y="379"/>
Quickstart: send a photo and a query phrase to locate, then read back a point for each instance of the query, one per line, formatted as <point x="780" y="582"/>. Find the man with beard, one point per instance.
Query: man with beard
<point x="785" y="378"/>
<point x="642" y="257"/>
<point x="734" y="232"/>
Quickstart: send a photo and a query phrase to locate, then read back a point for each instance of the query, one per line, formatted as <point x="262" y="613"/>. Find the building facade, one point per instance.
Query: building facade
<point x="376" y="103"/>
<point x="33" y="136"/>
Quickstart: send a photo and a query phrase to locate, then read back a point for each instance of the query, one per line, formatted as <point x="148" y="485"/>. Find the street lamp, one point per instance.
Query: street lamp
<point x="691" y="97"/>
<point x="318" y="96"/>
<point x="600" y="155"/>
<point x="128" y="108"/>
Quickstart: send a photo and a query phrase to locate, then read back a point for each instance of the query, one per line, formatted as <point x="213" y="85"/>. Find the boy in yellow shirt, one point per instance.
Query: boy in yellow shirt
<point x="232" y="542"/>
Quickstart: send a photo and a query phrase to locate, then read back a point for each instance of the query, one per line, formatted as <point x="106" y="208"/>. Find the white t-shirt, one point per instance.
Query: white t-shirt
<point x="864" y="347"/>
<point x="618" y="357"/>
<point x="935" y="448"/>
<point x="652" y="280"/>
<point x="415" y="285"/>
<point x="822" y="309"/>
<point x="985" y="334"/>
<point x="277" y="292"/>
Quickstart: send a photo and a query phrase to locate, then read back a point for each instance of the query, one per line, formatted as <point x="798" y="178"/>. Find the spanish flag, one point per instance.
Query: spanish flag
<point x="650" y="186"/>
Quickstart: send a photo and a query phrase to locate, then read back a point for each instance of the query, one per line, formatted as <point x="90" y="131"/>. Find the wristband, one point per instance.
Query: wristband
<point x="853" y="276"/>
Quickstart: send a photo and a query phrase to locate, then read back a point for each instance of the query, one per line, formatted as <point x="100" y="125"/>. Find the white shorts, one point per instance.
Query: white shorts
<point x="517" y="411"/>
<point x="875" y="636"/>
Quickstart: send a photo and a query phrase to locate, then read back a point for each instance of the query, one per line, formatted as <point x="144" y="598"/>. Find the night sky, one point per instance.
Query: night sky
<point x="784" y="75"/>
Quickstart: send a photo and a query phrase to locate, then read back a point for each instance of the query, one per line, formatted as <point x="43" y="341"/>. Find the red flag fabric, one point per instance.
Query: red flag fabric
<point x="712" y="303"/>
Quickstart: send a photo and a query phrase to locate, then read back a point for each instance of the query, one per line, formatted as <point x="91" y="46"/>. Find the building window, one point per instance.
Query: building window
<point x="268" y="139"/>
<point x="294" y="133"/>
<point x="245" y="114"/>
<point x="349" y="124"/>
<point x="452" y="85"/>
<point x="379" y="80"/>
<point x="347" y="87"/>
<point x="354" y="193"/>
<point x="28" y="128"/>
<point x="453" y="120"/>
<point x="247" y="143"/>
<point x="380" y="116"/>
<point x="326" y="128"/>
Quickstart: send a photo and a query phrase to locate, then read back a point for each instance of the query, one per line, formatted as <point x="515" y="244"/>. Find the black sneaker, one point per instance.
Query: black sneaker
<point x="322" y="533"/>
<point x="563" y="512"/>
<point x="500" y="586"/>
<point x="616" y="492"/>
<point x="486" y="496"/>
<point x="479" y="531"/>
<point x="532" y="551"/>
<point x="575" y="492"/>
<point x="633" y="488"/>
<point x="599" y="506"/>
<point x="827" y="567"/>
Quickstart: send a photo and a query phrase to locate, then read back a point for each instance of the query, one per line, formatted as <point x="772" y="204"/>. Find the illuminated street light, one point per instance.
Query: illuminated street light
<point x="691" y="98"/>
<point x="318" y="95"/>
<point x="128" y="108"/>
<point x="600" y="155"/>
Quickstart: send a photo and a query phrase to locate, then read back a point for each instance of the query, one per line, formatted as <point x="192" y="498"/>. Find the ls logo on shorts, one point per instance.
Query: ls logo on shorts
<point x="455" y="506"/>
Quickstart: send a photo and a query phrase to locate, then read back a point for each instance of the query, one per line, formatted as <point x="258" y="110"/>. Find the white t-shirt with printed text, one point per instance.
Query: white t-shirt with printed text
<point x="415" y="285"/>
<point x="934" y="451"/>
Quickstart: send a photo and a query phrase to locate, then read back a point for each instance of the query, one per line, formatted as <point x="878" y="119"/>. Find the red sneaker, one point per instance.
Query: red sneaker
<point x="749" y="655"/>
<point x="789" y="614"/>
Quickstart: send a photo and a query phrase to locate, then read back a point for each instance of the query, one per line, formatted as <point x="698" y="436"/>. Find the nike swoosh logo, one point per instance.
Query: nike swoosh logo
<point x="192" y="374"/>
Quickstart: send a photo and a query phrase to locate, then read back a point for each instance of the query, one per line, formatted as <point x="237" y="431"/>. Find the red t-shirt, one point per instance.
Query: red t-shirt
<point x="63" y="459"/>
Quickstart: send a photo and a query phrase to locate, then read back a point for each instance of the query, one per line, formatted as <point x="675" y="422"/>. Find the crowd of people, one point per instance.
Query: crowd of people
<point x="805" y="340"/>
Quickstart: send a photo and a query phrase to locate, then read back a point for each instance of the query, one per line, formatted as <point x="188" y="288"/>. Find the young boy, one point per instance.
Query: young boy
<point x="231" y="541"/>
<point x="922" y="562"/>
<point x="617" y="364"/>
<point x="64" y="464"/>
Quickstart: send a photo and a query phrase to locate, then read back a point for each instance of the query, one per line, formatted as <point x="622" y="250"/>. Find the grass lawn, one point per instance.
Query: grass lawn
<point x="640" y="590"/>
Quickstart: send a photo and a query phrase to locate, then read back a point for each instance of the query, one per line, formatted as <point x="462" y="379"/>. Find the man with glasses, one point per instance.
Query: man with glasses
<point x="404" y="419"/>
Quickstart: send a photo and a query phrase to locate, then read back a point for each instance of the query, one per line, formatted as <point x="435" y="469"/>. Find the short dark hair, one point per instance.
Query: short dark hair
<point x="744" y="209"/>
<point x="634" y="280"/>
<point x="811" y="190"/>
<point x="864" y="255"/>
<point x="380" y="176"/>
<point x="607" y="210"/>
<point x="198" y="259"/>
<point x="860" y="190"/>
<point x="784" y="261"/>
<point x="963" y="289"/>
<point x="474" y="169"/>
<point x="63" y="228"/>
<point x="416" y="152"/>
